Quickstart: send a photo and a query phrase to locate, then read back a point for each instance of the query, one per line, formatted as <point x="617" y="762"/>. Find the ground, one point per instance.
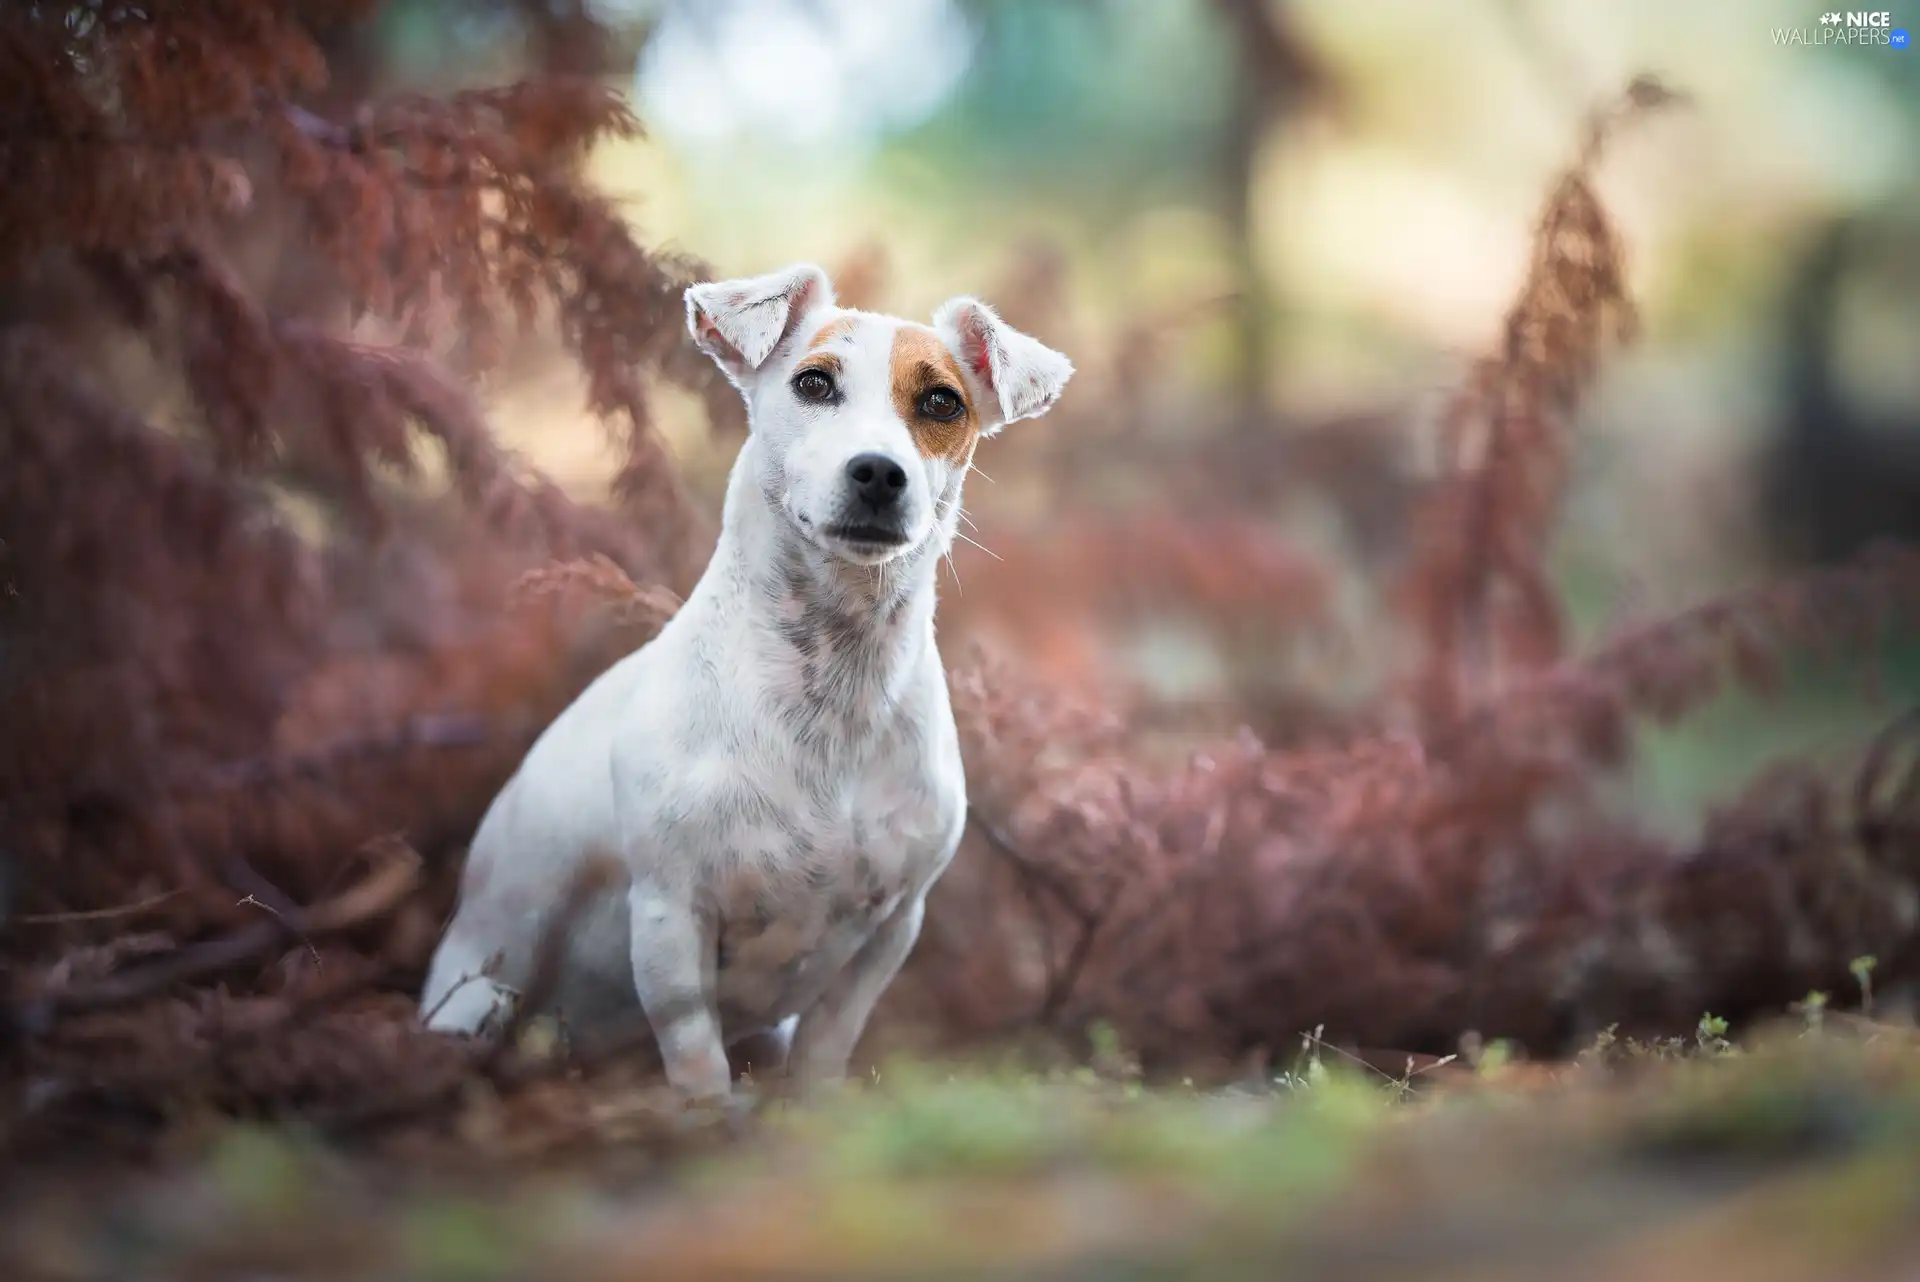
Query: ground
<point x="1792" y="1156"/>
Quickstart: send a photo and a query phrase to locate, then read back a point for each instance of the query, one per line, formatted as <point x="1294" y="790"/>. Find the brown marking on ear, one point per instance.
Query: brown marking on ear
<point x="920" y="362"/>
<point x="831" y="330"/>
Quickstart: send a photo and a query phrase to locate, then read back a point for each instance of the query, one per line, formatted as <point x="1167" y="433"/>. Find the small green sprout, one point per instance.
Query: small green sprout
<point x="1812" y="1008"/>
<point x="1494" y="1058"/>
<point x="1862" y="968"/>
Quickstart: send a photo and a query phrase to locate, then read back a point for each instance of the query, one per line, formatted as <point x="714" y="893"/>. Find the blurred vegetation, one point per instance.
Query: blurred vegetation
<point x="1365" y="213"/>
<point x="1788" y="1156"/>
<point x="1268" y="233"/>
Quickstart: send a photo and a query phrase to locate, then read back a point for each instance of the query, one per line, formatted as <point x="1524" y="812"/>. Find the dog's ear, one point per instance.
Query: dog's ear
<point x="1023" y="375"/>
<point x="740" y="322"/>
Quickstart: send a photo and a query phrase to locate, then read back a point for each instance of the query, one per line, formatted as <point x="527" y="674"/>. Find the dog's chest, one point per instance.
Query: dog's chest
<point x="813" y="790"/>
<point x="788" y="924"/>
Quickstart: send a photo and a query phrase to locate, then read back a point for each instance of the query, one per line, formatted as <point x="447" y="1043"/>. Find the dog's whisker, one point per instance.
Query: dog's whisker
<point x="977" y="543"/>
<point x="942" y="509"/>
<point x="945" y="507"/>
<point x="946" y="554"/>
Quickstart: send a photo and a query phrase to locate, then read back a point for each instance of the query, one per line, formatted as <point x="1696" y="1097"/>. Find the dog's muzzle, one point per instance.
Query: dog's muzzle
<point x="873" y="507"/>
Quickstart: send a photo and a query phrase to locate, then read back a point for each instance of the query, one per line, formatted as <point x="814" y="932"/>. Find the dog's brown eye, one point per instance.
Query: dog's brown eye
<point x="941" y="403"/>
<point x="813" y="385"/>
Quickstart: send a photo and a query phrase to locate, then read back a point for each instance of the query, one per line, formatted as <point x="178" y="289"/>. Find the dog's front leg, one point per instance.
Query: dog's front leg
<point x="673" y="953"/>
<point x="828" y="1031"/>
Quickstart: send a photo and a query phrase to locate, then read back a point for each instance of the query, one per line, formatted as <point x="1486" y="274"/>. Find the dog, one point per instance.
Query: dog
<point x="777" y="772"/>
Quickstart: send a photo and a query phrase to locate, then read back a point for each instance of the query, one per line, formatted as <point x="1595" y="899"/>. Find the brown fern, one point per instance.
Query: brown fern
<point x="1478" y="592"/>
<point x="167" y="626"/>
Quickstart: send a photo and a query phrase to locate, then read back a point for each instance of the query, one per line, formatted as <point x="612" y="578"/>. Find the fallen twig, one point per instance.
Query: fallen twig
<point x="98" y="914"/>
<point x="376" y="894"/>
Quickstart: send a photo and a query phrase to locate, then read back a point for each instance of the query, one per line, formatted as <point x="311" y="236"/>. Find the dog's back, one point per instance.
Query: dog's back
<point x="556" y="810"/>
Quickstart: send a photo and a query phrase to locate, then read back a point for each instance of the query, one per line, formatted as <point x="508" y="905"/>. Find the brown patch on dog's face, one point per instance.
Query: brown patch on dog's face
<point x="831" y="330"/>
<point x="921" y="365"/>
<point x="825" y="361"/>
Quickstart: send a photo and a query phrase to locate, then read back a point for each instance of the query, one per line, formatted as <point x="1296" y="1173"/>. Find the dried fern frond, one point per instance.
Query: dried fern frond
<point x="1477" y="591"/>
<point x="191" y="677"/>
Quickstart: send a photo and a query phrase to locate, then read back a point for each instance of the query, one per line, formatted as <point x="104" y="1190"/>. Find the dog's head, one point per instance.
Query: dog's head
<point x="864" y="424"/>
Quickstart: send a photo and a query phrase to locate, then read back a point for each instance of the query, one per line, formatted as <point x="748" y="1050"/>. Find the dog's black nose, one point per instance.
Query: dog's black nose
<point x="877" y="480"/>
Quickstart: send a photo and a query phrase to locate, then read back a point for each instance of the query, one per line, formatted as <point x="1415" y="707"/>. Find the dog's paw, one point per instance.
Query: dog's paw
<point x="732" y="1113"/>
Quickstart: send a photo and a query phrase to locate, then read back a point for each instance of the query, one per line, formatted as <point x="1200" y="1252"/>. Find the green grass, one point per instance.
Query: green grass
<point x="1801" y="1146"/>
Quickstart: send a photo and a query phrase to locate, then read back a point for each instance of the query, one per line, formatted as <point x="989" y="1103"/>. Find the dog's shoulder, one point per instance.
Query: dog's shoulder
<point x="688" y="696"/>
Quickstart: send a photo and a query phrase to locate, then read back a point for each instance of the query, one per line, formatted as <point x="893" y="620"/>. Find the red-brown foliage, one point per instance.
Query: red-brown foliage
<point x="250" y="637"/>
<point x="1400" y="890"/>
<point x="1455" y="862"/>
<point x="193" y="685"/>
<point x="1479" y="592"/>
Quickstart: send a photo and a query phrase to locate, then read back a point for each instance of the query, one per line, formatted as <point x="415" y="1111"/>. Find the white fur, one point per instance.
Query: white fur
<point x="778" y="771"/>
<point x="1027" y="377"/>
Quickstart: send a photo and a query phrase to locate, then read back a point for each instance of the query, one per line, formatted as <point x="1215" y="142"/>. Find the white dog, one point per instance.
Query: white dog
<point x="778" y="771"/>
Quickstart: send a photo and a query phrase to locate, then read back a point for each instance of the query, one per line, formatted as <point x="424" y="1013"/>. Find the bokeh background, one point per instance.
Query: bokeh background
<point x="1293" y="806"/>
<point x="1271" y="236"/>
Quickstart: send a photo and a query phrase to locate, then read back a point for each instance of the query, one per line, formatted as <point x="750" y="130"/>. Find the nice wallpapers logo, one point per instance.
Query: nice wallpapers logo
<point x="1861" y="30"/>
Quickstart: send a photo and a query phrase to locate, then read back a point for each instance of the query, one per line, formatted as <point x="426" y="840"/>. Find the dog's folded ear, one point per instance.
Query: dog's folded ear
<point x="740" y="322"/>
<point x="1023" y="375"/>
